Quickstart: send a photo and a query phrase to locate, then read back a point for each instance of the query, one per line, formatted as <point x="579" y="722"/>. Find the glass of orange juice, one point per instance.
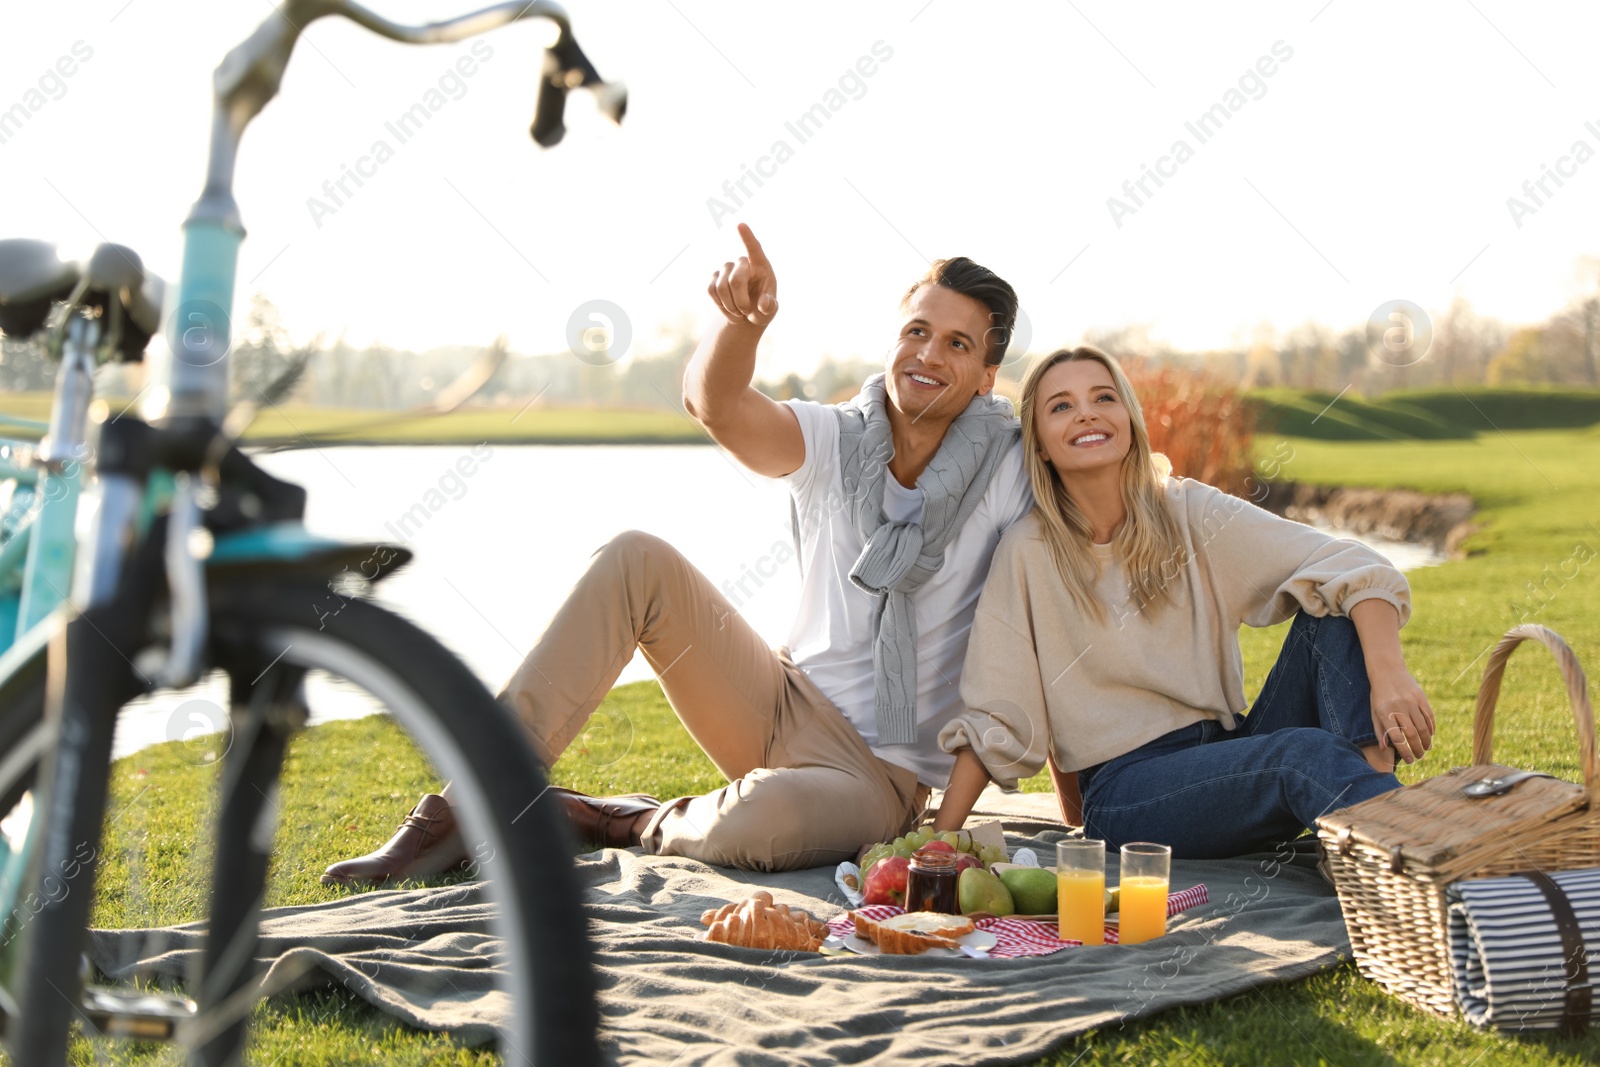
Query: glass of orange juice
<point x="1081" y="891"/>
<point x="1146" y="872"/>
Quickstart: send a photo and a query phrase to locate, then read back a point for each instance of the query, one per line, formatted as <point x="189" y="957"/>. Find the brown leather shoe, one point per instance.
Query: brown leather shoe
<point x="427" y="843"/>
<point x="606" y="821"/>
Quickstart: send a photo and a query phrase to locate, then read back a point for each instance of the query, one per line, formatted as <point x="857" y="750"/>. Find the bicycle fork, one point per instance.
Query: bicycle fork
<point x="80" y="710"/>
<point x="266" y="710"/>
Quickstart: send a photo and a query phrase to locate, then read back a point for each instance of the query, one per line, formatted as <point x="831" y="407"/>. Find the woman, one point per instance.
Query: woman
<point x="1107" y="638"/>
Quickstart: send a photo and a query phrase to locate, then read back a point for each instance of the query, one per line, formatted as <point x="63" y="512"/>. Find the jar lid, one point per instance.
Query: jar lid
<point x="933" y="859"/>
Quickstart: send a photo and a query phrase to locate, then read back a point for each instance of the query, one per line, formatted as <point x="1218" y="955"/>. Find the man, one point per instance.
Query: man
<point x="900" y="497"/>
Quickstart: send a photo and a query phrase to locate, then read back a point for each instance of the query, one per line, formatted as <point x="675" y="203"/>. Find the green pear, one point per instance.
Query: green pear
<point x="978" y="890"/>
<point x="1033" y="889"/>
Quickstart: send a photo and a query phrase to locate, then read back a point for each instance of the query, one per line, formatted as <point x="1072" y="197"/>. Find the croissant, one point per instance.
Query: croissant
<point x="762" y="898"/>
<point x="711" y="915"/>
<point x="759" y="923"/>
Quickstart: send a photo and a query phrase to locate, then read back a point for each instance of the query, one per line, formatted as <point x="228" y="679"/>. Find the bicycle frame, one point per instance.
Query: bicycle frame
<point x="189" y="372"/>
<point x="38" y="545"/>
<point x="187" y="388"/>
<point x="38" y="540"/>
<point x="188" y="378"/>
<point x="17" y="521"/>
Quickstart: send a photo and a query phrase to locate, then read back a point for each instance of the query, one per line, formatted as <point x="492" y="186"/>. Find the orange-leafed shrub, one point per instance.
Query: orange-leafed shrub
<point x="1202" y="423"/>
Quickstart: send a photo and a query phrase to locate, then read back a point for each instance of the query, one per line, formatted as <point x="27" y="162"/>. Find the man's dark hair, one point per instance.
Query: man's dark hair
<point x="983" y="285"/>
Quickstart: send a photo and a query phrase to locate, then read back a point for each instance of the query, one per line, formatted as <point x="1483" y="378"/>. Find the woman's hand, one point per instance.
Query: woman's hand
<point x="967" y="779"/>
<point x="1401" y="715"/>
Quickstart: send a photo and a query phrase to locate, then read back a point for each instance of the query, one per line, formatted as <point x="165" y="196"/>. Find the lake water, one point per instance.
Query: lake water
<point x="501" y="532"/>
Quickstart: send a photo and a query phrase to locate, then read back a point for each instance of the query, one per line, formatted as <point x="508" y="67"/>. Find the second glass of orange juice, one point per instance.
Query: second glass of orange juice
<point x="1081" y="891"/>
<point x="1146" y="872"/>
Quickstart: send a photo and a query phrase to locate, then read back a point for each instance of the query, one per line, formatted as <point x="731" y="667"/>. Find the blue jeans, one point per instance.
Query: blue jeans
<point x="1211" y="793"/>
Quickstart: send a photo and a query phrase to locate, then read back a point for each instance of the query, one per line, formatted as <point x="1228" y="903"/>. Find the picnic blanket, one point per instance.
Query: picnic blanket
<point x="425" y="956"/>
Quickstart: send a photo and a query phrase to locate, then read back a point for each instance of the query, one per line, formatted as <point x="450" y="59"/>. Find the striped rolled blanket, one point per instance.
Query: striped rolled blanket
<point x="1525" y="949"/>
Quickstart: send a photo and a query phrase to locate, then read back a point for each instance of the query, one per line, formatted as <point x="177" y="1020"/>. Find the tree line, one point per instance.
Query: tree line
<point x="1467" y="349"/>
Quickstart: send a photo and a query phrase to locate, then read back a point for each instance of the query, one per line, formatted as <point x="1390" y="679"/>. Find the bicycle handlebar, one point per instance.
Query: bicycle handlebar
<point x="193" y="381"/>
<point x="251" y="74"/>
<point x="566" y="67"/>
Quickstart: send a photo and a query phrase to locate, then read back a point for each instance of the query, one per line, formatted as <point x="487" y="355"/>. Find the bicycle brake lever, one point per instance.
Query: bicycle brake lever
<point x="186" y="581"/>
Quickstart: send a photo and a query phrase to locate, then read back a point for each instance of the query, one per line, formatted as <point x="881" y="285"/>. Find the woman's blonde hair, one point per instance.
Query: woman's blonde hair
<point x="1148" y="544"/>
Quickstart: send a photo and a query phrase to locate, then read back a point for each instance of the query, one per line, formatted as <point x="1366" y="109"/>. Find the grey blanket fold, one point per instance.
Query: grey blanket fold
<point x="425" y="957"/>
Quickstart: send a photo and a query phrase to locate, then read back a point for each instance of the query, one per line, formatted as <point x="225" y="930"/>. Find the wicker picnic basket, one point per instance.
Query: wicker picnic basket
<point x="1391" y="857"/>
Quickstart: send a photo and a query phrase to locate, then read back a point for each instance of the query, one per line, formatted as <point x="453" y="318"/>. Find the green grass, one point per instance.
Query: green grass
<point x="348" y="783"/>
<point x="292" y="425"/>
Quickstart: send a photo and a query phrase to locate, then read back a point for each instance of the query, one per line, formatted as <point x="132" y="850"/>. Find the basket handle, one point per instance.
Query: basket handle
<point x="1577" y="693"/>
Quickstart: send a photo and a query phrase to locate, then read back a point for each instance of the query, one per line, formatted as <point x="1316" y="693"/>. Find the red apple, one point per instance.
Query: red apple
<point x="886" y="881"/>
<point x="937" y="846"/>
<point x="965" y="860"/>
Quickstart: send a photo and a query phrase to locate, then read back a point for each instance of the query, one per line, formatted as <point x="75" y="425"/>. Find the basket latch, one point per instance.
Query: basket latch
<point x="1493" y="787"/>
<point x="1397" y="862"/>
<point x="1341" y="841"/>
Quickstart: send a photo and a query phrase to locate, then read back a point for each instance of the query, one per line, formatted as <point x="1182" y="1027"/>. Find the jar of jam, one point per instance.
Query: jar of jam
<point x="931" y="882"/>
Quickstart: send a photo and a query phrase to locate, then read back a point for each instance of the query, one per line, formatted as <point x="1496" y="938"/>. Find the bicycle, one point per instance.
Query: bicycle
<point x="196" y="561"/>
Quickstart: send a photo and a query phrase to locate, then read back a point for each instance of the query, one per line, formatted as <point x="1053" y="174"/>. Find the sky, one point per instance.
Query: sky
<point x="1357" y="153"/>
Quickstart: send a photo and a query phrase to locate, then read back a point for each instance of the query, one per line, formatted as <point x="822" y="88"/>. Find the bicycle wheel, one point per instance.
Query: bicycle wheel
<point x="496" y="782"/>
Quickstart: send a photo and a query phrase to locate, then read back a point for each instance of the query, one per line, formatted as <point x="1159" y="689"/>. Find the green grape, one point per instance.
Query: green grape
<point x="897" y="842"/>
<point x="949" y="838"/>
<point x="904" y="850"/>
<point x="965" y="843"/>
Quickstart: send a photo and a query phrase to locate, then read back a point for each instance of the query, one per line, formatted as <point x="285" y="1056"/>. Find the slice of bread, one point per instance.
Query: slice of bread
<point x="914" y="932"/>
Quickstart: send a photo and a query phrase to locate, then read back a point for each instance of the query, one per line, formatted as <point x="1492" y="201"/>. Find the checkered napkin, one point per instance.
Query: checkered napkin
<point x="1020" y="937"/>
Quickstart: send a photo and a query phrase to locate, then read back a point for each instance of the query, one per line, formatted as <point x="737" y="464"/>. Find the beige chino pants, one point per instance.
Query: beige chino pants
<point x="803" y="787"/>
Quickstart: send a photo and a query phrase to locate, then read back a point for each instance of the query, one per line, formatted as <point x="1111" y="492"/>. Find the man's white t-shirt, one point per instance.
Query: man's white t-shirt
<point x="831" y="639"/>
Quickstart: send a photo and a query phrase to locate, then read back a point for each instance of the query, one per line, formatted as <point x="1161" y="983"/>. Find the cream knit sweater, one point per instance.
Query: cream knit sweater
<point x="1042" y="676"/>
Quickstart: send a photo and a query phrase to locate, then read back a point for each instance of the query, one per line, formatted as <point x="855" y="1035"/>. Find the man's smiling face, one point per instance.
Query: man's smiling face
<point x="938" y="364"/>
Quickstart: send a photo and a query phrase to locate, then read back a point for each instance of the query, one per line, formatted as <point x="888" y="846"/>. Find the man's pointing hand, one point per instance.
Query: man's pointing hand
<point x="746" y="291"/>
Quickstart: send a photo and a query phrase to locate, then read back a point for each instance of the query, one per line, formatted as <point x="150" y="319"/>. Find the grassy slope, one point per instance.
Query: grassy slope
<point x="1538" y="491"/>
<point x="1422" y="414"/>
